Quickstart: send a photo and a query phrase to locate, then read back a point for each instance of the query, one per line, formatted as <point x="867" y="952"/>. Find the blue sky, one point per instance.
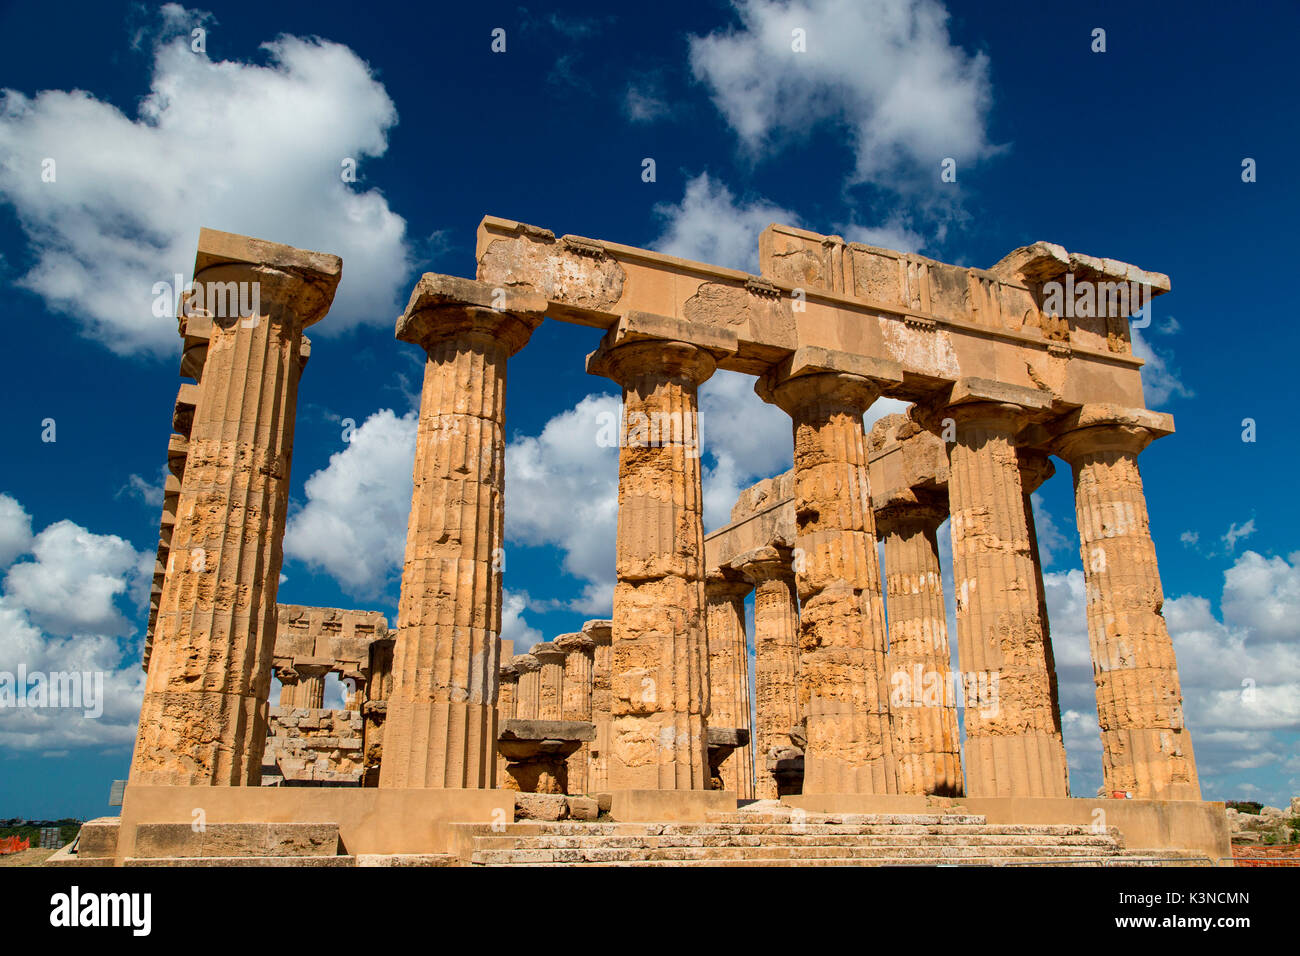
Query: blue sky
<point x="1135" y="154"/>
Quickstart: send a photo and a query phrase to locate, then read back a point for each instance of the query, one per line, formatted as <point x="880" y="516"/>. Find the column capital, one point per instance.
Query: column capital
<point x="726" y="582"/>
<point x="298" y="282"/>
<point x="508" y="673"/>
<point x="765" y="563"/>
<point x="576" y="643"/>
<point x="1100" y="427"/>
<point x="920" y="513"/>
<point x="600" y="631"/>
<point x="829" y="391"/>
<point x="525" y="663"/>
<point x="1035" y="468"/>
<point x="548" y="653"/>
<point x="445" y="307"/>
<point x="691" y="365"/>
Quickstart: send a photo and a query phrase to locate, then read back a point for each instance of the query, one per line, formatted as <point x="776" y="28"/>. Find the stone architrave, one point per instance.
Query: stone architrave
<point x="776" y="657"/>
<point x="204" y="716"/>
<point x="843" y="690"/>
<point x="725" y="591"/>
<point x="1146" y="748"/>
<point x="442" y="709"/>
<point x="1013" y="747"/>
<point x="659" y="680"/>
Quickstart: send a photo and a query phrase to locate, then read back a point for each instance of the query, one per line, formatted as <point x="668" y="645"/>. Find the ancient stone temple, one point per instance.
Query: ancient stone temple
<point x="852" y="704"/>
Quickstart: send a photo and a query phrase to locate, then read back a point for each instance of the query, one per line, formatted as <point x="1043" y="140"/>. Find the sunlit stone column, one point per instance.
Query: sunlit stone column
<point x="1035" y="468"/>
<point x="1013" y="747"/>
<point x="579" y="653"/>
<point x="507" y="695"/>
<point x="311" y="685"/>
<point x="1146" y="748"/>
<point x="922" y="701"/>
<point x="843" y="690"/>
<point x="660" y="652"/>
<point x="724" y="593"/>
<point x="550" y="701"/>
<point x="288" y="677"/>
<point x="602" y="634"/>
<point x="529" y="690"/>
<point x="776" y="655"/>
<point x="442" y="711"/>
<point x="203" y="719"/>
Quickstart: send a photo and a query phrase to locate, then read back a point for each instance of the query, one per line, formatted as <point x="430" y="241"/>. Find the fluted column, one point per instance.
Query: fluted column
<point x="724" y="594"/>
<point x="550" y="701"/>
<point x="1013" y="747"/>
<point x="529" y="689"/>
<point x="311" y="685"/>
<point x="602" y="634"/>
<point x="843" y="690"/>
<point x="442" y="710"/>
<point x="507" y="695"/>
<point x="776" y="656"/>
<point x="288" y="677"/>
<point x="922" y="703"/>
<point x="1035" y="468"/>
<point x="660" y="652"/>
<point x="575" y="704"/>
<point x="203" y="718"/>
<point x="1146" y="748"/>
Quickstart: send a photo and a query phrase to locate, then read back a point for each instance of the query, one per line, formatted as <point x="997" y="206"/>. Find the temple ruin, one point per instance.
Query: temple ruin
<point x="853" y="716"/>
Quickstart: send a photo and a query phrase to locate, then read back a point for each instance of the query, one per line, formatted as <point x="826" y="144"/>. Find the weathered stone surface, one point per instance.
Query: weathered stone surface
<point x="441" y="725"/>
<point x="1013" y="741"/>
<point x="729" y="705"/>
<point x="843" y="692"/>
<point x="659" y="680"/>
<point x="203" y="720"/>
<point x="1146" y="749"/>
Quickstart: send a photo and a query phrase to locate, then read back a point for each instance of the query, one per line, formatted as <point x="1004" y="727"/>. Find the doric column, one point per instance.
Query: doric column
<point x="843" y="691"/>
<point x="776" y="656"/>
<point x="602" y="634"/>
<point x="442" y="710"/>
<point x="311" y="685"/>
<point x="575" y="704"/>
<point x="1146" y="748"/>
<point x="530" y="686"/>
<point x="1013" y="747"/>
<point x="507" y="694"/>
<point x="660" y="653"/>
<point x="288" y="677"/>
<point x="724" y="594"/>
<point x="550" y="700"/>
<point x="203" y="719"/>
<point x="927" y="743"/>
<point x="1035" y="468"/>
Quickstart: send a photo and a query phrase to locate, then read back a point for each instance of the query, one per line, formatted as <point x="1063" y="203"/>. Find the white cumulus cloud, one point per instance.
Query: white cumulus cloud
<point x="886" y="72"/>
<point x="253" y="148"/>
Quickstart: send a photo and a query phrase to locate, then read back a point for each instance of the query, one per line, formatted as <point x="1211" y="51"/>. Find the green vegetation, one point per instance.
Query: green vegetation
<point x="31" y="829"/>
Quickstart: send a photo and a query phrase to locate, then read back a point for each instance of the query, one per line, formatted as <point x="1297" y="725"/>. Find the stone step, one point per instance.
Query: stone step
<point x="292" y="840"/>
<point x="848" y="819"/>
<point x="723" y="829"/>
<point x="407" y="859"/>
<point x="882" y="861"/>
<point x="567" y="842"/>
<point x="270" y="861"/>
<point x="919" y="854"/>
